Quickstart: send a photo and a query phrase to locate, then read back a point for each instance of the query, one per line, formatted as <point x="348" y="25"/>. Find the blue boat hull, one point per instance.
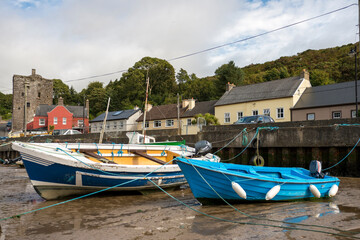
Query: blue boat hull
<point x="213" y="181"/>
<point x="53" y="180"/>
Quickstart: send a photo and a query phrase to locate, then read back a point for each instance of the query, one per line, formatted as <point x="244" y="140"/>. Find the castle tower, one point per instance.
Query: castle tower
<point x="28" y="93"/>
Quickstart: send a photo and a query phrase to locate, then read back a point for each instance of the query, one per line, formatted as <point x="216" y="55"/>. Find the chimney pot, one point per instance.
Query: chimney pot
<point x="33" y="72"/>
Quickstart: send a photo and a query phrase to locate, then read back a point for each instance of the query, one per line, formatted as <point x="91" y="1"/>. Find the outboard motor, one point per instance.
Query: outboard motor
<point x="202" y="147"/>
<point x="315" y="169"/>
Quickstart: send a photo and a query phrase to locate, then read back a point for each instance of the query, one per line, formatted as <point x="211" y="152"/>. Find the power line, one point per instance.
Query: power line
<point x="226" y="44"/>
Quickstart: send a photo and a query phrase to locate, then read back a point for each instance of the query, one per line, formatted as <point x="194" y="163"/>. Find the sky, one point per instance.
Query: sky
<point x="77" y="39"/>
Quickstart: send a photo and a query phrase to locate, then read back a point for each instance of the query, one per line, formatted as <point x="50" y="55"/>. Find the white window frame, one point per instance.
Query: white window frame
<point x="41" y="121"/>
<point x="121" y="124"/>
<point x="309" y="118"/>
<point x="157" y="123"/>
<point x="146" y="124"/>
<point x="227" y="117"/>
<point x="266" y="112"/>
<point x="353" y="113"/>
<point x="255" y="112"/>
<point x="189" y="122"/>
<point x="81" y="123"/>
<point x="64" y="121"/>
<point x="239" y="115"/>
<point x="280" y="114"/>
<point x="55" y="120"/>
<point x="169" y="123"/>
<point x="334" y="113"/>
<point x="114" y="125"/>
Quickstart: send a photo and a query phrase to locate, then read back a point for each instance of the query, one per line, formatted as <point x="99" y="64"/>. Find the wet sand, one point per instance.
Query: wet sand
<point x="158" y="216"/>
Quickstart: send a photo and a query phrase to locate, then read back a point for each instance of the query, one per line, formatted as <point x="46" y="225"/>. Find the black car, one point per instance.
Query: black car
<point x="255" y="119"/>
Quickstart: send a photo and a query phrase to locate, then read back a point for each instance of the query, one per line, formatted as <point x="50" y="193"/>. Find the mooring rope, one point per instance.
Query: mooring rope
<point x="255" y="224"/>
<point x="258" y="218"/>
<point x="344" y="157"/>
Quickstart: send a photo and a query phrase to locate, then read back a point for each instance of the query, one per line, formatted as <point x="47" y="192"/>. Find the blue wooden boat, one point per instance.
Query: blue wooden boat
<point x="214" y="181"/>
<point x="59" y="170"/>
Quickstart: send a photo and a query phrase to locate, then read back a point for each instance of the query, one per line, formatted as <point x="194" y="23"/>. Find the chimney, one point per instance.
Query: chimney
<point x="185" y="103"/>
<point x="229" y="86"/>
<point x="191" y="103"/>
<point x="61" y="101"/>
<point x="87" y="108"/>
<point x="305" y="74"/>
<point x="33" y="72"/>
<point x="149" y="107"/>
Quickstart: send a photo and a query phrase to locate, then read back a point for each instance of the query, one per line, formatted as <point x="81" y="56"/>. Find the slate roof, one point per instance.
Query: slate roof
<point x="261" y="91"/>
<point x="328" y="95"/>
<point x="161" y="112"/>
<point x="115" y="115"/>
<point x="201" y="107"/>
<point x="77" y="111"/>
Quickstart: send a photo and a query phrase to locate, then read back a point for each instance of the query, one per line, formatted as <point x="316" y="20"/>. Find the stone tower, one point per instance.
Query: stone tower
<point x="28" y="93"/>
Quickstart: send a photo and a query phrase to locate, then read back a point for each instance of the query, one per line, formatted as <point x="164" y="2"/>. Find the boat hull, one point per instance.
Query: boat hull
<point x="54" y="180"/>
<point x="212" y="182"/>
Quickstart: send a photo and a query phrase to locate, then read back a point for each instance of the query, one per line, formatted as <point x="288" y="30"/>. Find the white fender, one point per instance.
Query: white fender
<point x="315" y="191"/>
<point x="272" y="192"/>
<point x="333" y="190"/>
<point x="238" y="189"/>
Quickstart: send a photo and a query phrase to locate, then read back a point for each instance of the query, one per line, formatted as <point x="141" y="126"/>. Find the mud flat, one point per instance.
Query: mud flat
<point x="158" y="216"/>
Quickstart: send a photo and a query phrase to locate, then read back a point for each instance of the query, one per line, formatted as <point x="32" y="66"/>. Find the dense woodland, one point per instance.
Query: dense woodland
<point x="326" y="66"/>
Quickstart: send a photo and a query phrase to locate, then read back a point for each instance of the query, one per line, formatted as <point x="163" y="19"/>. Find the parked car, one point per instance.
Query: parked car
<point x="66" y="132"/>
<point x="8" y="126"/>
<point x="255" y="119"/>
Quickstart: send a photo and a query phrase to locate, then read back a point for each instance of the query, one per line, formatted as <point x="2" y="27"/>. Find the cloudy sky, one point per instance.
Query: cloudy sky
<point x="73" y="39"/>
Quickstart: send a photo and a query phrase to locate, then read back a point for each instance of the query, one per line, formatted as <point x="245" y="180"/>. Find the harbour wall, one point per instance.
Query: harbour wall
<point x="288" y="144"/>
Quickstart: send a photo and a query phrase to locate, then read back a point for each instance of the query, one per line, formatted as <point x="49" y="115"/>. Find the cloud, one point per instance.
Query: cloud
<point x="70" y="39"/>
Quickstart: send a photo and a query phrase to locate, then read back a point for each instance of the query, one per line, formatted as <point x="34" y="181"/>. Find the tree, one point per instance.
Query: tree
<point x="97" y="97"/>
<point x="228" y="73"/>
<point x="209" y="118"/>
<point x="60" y="89"/>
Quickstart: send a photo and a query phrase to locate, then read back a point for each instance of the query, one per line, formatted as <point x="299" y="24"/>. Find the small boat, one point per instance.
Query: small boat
<point x="58" y="170"/>
<point x="212" y="182"/>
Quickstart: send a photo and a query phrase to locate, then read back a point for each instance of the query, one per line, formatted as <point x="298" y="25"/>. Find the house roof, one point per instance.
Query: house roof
<point x="116" y="115"/>
<point x="201" y="108"/>
<point x="260" y="91"/>
<point x="77" y="111"/>
<point x="328" y="95"/>
<point x="168" y="111"/>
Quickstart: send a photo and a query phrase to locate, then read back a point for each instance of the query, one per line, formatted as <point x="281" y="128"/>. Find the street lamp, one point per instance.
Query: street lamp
<point x="353" y="52"/>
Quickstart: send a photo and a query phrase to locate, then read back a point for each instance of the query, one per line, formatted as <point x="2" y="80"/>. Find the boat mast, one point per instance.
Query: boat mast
<point x="146" y="105"/>
<point x="104" y="123"/>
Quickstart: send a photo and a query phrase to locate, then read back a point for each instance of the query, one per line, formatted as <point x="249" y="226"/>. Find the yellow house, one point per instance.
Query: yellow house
<point x="273" y="98"/>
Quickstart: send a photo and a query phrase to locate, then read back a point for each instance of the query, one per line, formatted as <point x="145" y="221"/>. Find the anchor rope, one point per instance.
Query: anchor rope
<point x="258" y="218"/>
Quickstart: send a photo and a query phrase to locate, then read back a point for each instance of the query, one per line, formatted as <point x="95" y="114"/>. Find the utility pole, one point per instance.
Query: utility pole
<point x="178" y="113"/>
<point x="146" y="104"/>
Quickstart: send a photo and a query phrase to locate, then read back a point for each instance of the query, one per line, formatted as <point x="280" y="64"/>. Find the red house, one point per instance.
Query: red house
<point x="61" y="117"/>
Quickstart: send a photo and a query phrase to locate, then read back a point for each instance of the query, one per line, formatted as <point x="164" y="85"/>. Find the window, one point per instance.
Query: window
<point x="169" y="123"/>
<point x="240" y="115"/>
<point x="157" y="123"/>
<point x="336" y="115"/>
<point x="39" y="94"/>
<point x="227" y="117"/>
<point x="146" y="124"/>
<point x="107" y="126"/>
<point x="80" y="123"/>
<point x="189" y="121"/>
<point x="267" y="112"/>
<point x="255" y="112"/>
<point x="353" y="113"/>
<point x="64" y="121"/>
<point x="114" y="125"/>
<point x="310" y="116"/>
<point x="121" y="125"/>
<point x="280" y="113"/>
<point x="55" y="120"/>
<point x="28" y="104"/>
<point x="42" y="121"/>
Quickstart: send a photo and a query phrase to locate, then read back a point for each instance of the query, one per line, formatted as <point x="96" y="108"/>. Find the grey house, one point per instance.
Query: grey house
<point x="122" y="120"/>
<point x="334" y="101"/>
